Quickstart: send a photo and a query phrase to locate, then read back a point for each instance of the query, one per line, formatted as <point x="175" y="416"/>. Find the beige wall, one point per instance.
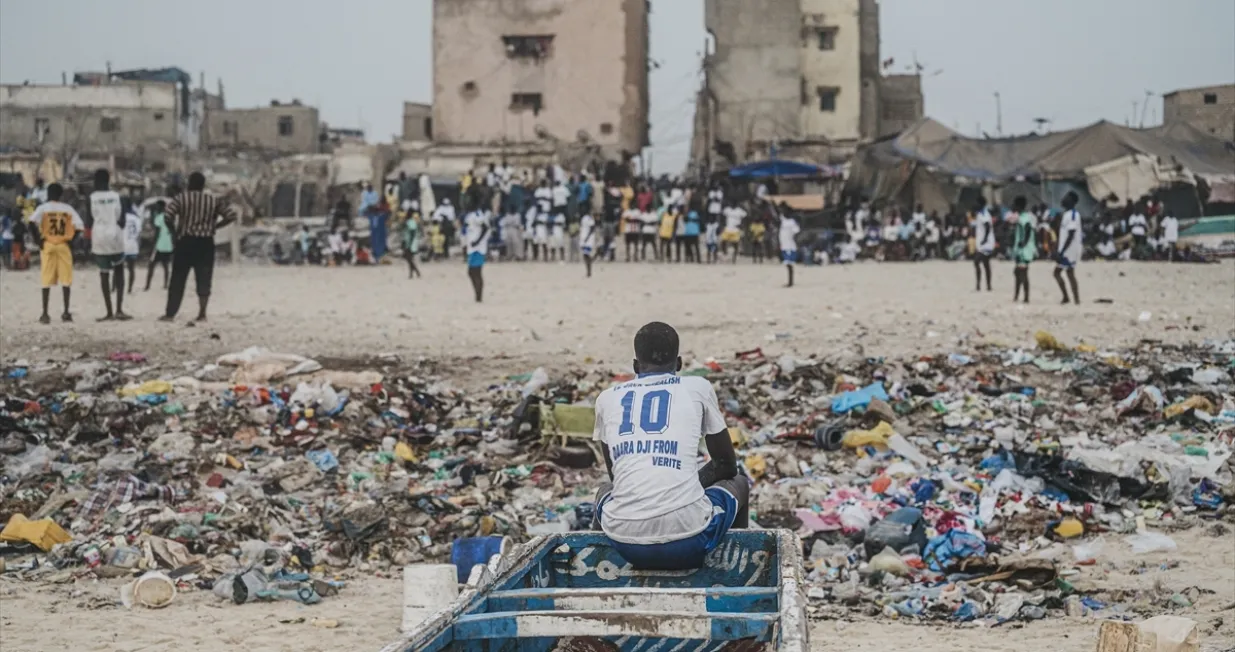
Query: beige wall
<point x="591" y="77"/>
<point x="139" y="115"/>
<point x="259" y="128"/>
<point x="417" y="122"/>
<point x="839" y="68"/>
<point x="1189" y="106"/>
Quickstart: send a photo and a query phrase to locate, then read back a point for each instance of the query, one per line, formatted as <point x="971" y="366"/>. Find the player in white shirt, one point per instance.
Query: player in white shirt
<point x="731" y="237"/>
<point x="716" y="199"/>
<point x="984" y="239"/>
<point x="132" y="241"/>
<point x="476" y="241"/>
<point x="649" y="223"/>
<point x="587" y="240"/>
<point x="1070" y="247"/>
<point x="107" y="242"/>
<point x="919" y="218"/>
<point x="1170" y="234"/>
<point x="789" y="230"/>
<point x="663" y="510"/>
<point x="711" y="238"/>
<point x="557" y="241"/>
<point x="1139" y="227"/>
<point x="632" y="224"/>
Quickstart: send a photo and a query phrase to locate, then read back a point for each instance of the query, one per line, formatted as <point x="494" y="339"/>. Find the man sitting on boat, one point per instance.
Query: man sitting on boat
<point x="662" y="510"/>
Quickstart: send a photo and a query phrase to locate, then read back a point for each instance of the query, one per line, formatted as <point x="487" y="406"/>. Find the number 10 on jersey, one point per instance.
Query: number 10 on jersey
<point x="653" y="412"/>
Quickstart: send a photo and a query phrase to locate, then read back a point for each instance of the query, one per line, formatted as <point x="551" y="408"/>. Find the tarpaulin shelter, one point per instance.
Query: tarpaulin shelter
<point x="778" y="168"/>
<point x="927" y="162"/>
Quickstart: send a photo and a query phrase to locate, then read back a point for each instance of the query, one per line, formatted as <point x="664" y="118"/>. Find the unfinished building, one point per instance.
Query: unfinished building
<point x="551" y="72"/>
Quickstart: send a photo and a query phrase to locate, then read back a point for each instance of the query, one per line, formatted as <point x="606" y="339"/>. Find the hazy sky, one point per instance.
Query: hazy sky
<point x="1072" y="61"/>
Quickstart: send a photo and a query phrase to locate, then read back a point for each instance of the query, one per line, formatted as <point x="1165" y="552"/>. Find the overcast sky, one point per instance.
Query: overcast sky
<point x="1071" y="61"/>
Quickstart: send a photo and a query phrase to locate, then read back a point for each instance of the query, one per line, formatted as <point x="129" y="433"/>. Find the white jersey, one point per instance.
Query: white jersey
<point x="559" y="226"/>
<point x="561" y="195"/>
<point x="132" y="234"/>
<point x="587" y="232"/>
<point x="106" y="232"/>
<point x="733" y="218"/>
<point x="474" y="224"/>
<point x="715" y="199"/>
<point x="789" y="230"/>
<point x="544" y="199"/>
<point x="1170" y="229"/>
<point x="540" y="233"/>
<point x="984" y="232"/>
<point x="444" y="213"/>
<point x="1070" y="223"/>
<point x="919" y="220"/>
<point x="652" y="427"/>
<point x="633" y="221"/>
<point x="1137" y="224"/>
<point x="651" y="223"/>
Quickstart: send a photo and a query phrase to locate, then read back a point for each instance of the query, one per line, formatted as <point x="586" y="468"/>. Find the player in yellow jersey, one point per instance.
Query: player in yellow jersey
<point x="55" y="223"/>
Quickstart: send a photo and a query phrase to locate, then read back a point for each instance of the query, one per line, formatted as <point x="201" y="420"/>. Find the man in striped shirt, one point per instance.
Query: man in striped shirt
<point x="196" y="215"/>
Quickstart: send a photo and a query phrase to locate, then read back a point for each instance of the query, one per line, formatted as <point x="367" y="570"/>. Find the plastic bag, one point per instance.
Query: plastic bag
<point x="855" y="517"/>
<point x="538" y="380"/>
<point x="34" y="461"/>
<point x="324" y="396"/>
<point x="889" y="562"/>
<point x="1145" y="542"/>
<point x="1089" y="550"/>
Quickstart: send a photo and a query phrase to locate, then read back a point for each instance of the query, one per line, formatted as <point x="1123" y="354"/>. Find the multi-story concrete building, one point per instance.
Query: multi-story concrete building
<point x="527" y="71"/>
<point x="800" y="77"/>
<point x="64" y="119"/>
<point x="1210" y="109"/>
<point x="279" y="128"/>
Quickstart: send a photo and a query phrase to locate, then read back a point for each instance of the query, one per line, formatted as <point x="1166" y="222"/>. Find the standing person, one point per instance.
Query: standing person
<point x="661" y="509"/>
<point x="668" y="227"/>
<point x="932" y="237"/>
<point x="341" y="217"/>
<point x="411" y="243"/>
<point x="55" y="225"/>
<point x="560" y="195"/>
<point x="691" y="234"/>
<point x="731" y="237"/>
<point x="476" y="233"/>
<point x="1070" y="248"/>
<point x="758" y="231"/>
<point x="197" y="215"/>
<point x="1138" y="226"/>
<point x="557" y="242"/>
<point x="632" y="224"/>
<point x="587" y="240"/>
<point x="6" y="238"/>
<point x="712" y="238"/>
<point x="544" y="208"/>
<point x="789" y="230"/>
<point x="1170" y="233"/>
<point x="379" y="217"/>
<point x="649" y="222"/>
<point x="918" y="218"/>
<point x="163" y="244"/>
<point x="679" y="232"/>
<point x="445" y="217"/>
<point x="716" y="199"/>
<point x="132" y="240"/>
<point x="107" y="242"/>
<point x="368" y="198"/>
<point x="38" y="194"/>
<point x="1024" y="246"/>
<point x="984" y="243"/>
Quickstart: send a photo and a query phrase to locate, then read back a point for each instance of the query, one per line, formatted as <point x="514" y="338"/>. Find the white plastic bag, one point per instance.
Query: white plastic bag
<point x="1145" y="542"/>
<point x="1088" y="551"/>
<point x="538" y="380"/>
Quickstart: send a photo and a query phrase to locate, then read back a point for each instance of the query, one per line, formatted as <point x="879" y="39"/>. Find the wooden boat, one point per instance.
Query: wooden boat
<point x="574" y="593"/>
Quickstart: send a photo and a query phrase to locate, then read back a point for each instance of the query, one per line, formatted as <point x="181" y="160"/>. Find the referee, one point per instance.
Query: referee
<point x="196" y="216"/>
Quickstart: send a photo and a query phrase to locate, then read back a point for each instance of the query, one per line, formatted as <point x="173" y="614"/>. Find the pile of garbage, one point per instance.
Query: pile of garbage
<point x="262" y="475"/>
<point x="986" y="485"/>
<point x="977" y="485"/>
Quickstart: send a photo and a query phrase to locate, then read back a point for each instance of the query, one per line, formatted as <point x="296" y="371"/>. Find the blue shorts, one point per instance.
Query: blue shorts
<point x="130" y="258"/>
<point x="1064" y="263"/>
<point x="788" y="256"/>
<point x="587" y="251"/>
<point x="686" y="553"/>
<point x="475" y="259"/>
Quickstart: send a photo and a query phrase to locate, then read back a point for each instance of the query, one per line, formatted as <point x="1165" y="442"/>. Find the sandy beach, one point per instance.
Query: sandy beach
<point x="550" y="315"/>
